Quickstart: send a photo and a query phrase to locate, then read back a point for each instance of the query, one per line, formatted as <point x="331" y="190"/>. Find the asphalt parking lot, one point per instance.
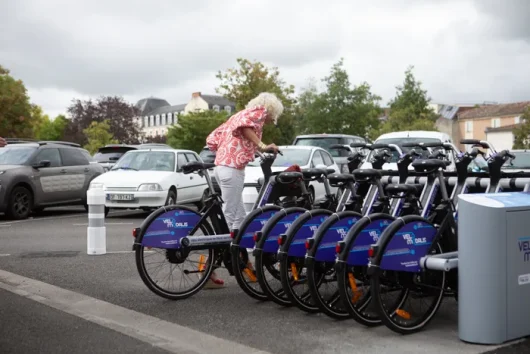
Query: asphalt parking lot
<point x="45" y="270"/>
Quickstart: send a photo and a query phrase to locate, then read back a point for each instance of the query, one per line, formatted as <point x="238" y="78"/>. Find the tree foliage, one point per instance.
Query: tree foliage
<point x="522" y="133"/>
<point x="97" y="135"/>
<point x="52" y="129"/>
<point x="193" y="128"/>
<point x="341" y="108"/>
<point x="115" y="109"/>
<point x="410" y="110"/>
<point x="249" y="79"/>
<point x="15" y="107"/>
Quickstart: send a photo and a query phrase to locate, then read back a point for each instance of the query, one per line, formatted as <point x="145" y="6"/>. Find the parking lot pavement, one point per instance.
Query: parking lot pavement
<point x="54" y="252"/>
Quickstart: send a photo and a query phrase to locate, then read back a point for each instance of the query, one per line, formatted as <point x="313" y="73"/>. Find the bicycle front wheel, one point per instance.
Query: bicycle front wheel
<point x="159" y="256"/>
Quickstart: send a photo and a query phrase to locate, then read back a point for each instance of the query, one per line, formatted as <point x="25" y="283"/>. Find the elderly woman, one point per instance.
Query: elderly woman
<point x="236" y="142"/>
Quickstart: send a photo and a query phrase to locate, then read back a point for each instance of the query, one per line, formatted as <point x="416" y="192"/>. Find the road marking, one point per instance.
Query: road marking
<point x="4" y="254"/>
<point x="107" y="223"/>
<point x="166" y="335"/>
<point x="117" y="213"/>
<point x="121" y="252"/>
<point x="5" y="225"/>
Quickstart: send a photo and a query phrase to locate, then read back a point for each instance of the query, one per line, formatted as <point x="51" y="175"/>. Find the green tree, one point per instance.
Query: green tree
<point x="242" y="84"/>
<point x="38" y="120"/>
<point x="341" y="108"/>
<point x="52" y="129"/>
<point x="522" y="133"/>
<point x="98" y="134"/>
<point x="410" y="110"/>
<point x="193" y="128"/>
<point x="15" y="107"/>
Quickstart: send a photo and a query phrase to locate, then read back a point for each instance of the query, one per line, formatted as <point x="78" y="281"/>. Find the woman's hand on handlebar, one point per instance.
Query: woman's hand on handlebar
<point x="272" y="148"/>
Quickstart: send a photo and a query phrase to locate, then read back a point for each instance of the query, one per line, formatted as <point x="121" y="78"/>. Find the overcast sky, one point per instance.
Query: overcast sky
<point x="464" y="51"/>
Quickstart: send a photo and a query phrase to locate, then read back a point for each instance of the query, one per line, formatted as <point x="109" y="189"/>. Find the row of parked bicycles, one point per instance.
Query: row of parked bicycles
<point x="382" y="249"/>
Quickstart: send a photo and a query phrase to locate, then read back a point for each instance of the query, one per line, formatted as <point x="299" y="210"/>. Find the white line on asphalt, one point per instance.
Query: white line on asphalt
<point x="5" y="225"/>
<point x="120" y="252"/>
<point x="4" y="254"/>
<point x="107" y="223"/>
<point x="166" y="335"/>
<point x="9" y="223"/>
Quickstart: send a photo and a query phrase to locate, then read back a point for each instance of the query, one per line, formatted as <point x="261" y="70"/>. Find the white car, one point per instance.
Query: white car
<point x="150" y="179"/>
<point x="415" y="136"/>
<point x="303" y="156"/>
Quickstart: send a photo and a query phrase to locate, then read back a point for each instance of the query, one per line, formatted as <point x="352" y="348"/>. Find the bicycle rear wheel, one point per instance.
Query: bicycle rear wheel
<point x="159" y="240"/>
<point x="244" y="270"/>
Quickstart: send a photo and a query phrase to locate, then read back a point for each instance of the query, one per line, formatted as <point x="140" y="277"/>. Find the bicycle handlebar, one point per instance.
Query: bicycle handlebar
<point x="482" y="143"/>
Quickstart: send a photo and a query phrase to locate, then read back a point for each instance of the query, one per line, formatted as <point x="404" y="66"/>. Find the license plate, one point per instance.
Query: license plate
<point x="126" y="197"/>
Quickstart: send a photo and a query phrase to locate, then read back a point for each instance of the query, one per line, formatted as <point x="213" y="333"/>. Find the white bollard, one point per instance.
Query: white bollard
<point x="96" y="231"/>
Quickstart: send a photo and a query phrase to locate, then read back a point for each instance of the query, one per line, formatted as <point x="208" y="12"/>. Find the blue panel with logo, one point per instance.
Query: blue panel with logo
<point x="168" y="228"/>
<point x="247" y="240"/>
<point x="358" y="255"/>
<point x="408" y="245"/>
<point x="336" y="232"/>
<point x="271" y="244"/>
<point x="308" y="229"/>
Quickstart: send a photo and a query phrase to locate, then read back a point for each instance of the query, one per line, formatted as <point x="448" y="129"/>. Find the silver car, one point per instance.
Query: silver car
<point x="36" y="175"/>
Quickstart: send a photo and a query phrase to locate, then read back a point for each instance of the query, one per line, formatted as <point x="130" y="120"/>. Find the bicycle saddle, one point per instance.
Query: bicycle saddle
<point x="289" y="177"/>
<point x="315" y="172"/>
<point x="366" y="174"/>
<point x="428" y="165"/>
<point x="340" y="178"/>
<point x="196" y="166"/>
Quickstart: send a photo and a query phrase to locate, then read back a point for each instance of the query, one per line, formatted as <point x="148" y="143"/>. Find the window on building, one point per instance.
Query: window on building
<point x="517" y="120"/>
<point x="157" y="123"/>
<point x="163" y="119"/>
<point x="495" y="122"/>
<point x="228" y="109"/>
<point x="216" y="108"/>
<point x="146" y="121"/>
<point x="469" y="126"/>
<point x="169" y="119"/>
<point x="151" y="121"/>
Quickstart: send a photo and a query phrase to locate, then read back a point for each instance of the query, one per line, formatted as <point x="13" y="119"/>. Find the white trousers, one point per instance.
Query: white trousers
<point x="232" y="182"/>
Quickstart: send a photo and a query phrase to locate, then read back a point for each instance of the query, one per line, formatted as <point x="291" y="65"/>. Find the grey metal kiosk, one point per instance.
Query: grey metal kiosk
<point x="493" y="267"/>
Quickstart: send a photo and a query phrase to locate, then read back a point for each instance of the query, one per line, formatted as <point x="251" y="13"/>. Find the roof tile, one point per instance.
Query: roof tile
<point x="495" y="110"/>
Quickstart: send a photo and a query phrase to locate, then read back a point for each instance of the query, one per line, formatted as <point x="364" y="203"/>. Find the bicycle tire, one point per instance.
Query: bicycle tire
<point x="266" y="253"/>
<point x="389" y="317"/>
<point x="243" y="240"/>
<point x="292" y="257"/>
<point x="321" y="258"/>
<point x="205" y="227"/>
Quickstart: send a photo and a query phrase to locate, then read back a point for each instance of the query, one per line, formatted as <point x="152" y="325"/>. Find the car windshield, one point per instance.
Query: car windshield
<point x="15" y="155"/>
<point x="522" y="160"/>
<point x="207" y="156"/>
<point x="323" y="143"/>
<point x="290" y="157"/>
<point x="111" y="154"/>
<point x="146" y="161"/>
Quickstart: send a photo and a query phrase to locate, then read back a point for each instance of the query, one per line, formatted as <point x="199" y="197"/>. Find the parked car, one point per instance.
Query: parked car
<point x="145" y="179"/>
<point x="398" y="138"/>
<point x="39" y="174"/>
<point x="324" y="141"/>
<point x="521" y="163"/>
<point x="303" y="156"/>
<point x="108" y="155"/>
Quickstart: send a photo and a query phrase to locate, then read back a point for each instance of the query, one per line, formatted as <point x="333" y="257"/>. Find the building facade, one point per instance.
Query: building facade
<point x="157" y="115"/>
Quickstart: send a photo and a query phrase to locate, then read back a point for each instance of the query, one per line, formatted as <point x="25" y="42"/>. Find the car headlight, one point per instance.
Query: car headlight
<point x="150" y="187"/>
<point x="96" y="186"/>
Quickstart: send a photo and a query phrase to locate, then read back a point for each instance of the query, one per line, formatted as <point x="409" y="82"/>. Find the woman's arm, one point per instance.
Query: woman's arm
<point x="251" y="135"/>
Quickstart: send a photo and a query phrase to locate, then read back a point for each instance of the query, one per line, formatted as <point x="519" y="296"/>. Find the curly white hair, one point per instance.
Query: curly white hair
<point x="271" y="103"/>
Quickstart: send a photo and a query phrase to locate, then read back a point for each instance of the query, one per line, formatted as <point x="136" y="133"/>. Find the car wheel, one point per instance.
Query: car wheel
<point x="171" y="198"/>
<point x="20" y="203"/>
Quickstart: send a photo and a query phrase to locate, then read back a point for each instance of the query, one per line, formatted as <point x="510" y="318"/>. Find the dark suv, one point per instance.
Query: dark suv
<point x="40" y="174"/>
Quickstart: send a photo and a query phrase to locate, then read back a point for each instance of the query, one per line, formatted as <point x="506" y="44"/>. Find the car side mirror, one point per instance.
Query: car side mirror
<point x="41" y="164"/>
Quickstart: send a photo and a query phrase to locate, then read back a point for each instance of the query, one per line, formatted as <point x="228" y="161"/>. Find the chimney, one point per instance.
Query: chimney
<point x="195" y="94"/>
